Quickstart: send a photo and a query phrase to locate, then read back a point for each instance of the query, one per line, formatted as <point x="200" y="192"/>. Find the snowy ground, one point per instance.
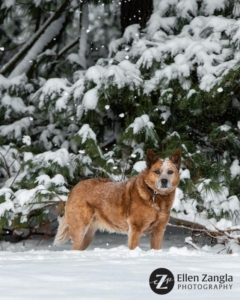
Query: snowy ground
<point x="108" y="270"/>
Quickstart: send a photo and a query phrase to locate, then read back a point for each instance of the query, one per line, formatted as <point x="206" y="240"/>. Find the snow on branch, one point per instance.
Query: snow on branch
<point x="141" y="123"/>
<point x="86" y="132"/>
<point x="53" y="29"/>
<point x="131" y="34"/>
<point x="16" y="129"/>
<point x="7" y="67"/>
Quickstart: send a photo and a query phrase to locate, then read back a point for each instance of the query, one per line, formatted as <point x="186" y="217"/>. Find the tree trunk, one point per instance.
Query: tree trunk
<point x="84" y="23"/>
<point x="135" y="12"/>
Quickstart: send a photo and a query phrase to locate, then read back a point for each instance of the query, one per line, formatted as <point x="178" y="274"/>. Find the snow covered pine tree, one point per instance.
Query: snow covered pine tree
<point x="172" y="85"/>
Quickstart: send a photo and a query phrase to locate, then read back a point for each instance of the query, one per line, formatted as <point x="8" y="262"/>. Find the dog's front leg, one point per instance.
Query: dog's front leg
<point x="156" y="238"/>
<point x="134" y="236"/>
<point x="157" y="234"/>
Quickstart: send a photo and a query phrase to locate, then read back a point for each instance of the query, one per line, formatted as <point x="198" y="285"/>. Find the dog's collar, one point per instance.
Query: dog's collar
<point x="154" y="193"/>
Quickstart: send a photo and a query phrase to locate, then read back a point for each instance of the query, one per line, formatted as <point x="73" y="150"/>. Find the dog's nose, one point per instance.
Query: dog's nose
<point x="164" y="182"/>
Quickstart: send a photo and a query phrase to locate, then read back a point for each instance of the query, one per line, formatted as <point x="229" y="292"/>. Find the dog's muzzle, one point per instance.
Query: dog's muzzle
<point x="164" y="183"/>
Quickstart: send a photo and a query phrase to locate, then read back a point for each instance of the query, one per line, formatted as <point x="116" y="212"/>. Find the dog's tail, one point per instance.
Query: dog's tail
<point x="62" y="233"/>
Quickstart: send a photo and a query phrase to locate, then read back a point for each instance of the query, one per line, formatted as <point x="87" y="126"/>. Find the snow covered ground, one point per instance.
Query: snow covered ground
<point x="108" y="270"/>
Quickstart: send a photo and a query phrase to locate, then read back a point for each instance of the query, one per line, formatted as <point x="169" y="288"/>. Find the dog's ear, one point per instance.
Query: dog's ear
<point x="176" y="158"/>
<point x="151" y="158"/>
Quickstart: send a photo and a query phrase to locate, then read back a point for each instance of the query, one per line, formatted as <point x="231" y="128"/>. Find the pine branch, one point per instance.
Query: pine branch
<point x="75" y="41"/>
<point x="68" y="47"/>
<point x="108" y="142"/>
<point x="6" y="165"/>
<point x="18" y="172"/>
<point x="7" y="67"/>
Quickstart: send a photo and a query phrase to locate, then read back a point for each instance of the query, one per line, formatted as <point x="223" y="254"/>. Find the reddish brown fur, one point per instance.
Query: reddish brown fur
<point x="128" y="207"/>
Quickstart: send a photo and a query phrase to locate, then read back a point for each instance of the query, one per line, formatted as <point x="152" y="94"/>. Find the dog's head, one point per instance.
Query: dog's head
<point x="163" y="174"/>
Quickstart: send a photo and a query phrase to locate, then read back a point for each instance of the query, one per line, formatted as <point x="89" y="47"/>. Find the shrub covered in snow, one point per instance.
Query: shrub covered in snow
<point x="174" y="85"/>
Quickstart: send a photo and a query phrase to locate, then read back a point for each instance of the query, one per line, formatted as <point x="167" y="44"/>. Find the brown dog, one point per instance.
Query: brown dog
<point x="138" y="206"/>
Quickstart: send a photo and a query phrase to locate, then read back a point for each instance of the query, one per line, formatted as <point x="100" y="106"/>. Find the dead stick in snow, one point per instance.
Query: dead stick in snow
<point x="200" y="228"/>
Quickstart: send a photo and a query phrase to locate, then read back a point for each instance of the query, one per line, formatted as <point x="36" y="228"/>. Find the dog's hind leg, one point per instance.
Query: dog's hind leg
<point x="79" y="224"/>
<point x="77" y="237"/>
<point x="89" y="235"/>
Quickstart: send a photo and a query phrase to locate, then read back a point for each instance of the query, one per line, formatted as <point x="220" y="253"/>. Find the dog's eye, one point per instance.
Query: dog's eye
<point x="170" y="172"/>
<point x="157" y="172"/>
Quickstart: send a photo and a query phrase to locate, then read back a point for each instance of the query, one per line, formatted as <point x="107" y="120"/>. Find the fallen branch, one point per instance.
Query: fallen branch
<point x="190" y="242"/>
<point x="200" y="228"/>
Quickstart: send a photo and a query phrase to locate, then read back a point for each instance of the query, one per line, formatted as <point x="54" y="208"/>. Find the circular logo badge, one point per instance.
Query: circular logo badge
<point x="161" y="281"/>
